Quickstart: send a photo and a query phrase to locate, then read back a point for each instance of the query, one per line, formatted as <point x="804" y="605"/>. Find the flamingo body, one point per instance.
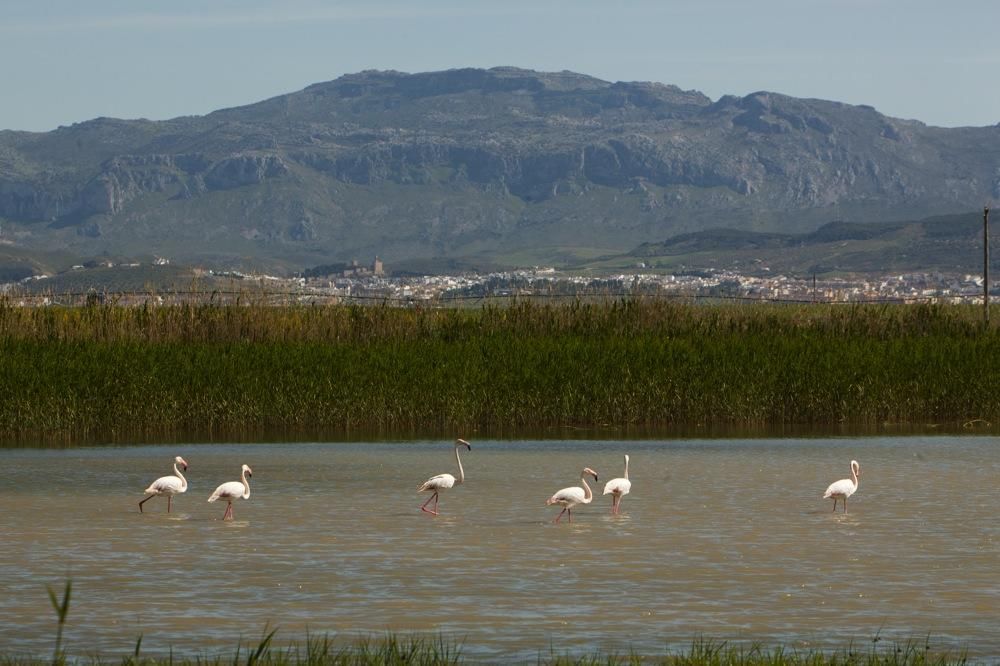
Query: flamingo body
<point x="573" y="496"/>
<point x="844" y="488"/>
<point x="436" y="484"/>
<point x="618" y="488"/>
<point x="439" y="482"/>
<point x="167" y="485"/>
<point x="233" y="490"/>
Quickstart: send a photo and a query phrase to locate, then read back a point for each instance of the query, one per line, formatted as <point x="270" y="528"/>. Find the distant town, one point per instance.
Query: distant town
<point x="355" y="282"/>
<point x="709" y="284"/>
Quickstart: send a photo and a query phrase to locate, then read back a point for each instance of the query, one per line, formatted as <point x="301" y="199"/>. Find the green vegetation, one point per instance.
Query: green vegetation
<point x="139" y="373"/>
<point x="394" y="650"/>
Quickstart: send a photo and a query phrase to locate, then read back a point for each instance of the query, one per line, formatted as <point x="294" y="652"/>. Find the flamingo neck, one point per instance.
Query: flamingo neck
<point x="246" y="484"/>
<point x="587" y="494"/>
<point x="854" y="477"/>
<point x="177" y="472"/>
<point x="626" y="469"/>
<point x="461" y="472"/>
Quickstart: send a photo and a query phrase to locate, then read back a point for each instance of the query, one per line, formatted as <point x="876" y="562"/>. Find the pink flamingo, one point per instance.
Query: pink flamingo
<point x="443" y="481"/>
<point x="845" y="487"/>
<point x="168" y="485"/>
<point x="232" y="490"/>
<point x="570" y="497"/>
<point x="618" y="488"/>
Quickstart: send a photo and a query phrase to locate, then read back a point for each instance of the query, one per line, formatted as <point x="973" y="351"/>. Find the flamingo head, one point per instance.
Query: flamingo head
<point x="180" y="461"/>
<point x="587" y="470"/>
<point x="246" y="468"/>
<point x="626" y="458"/>
<point x="461" y="442"/>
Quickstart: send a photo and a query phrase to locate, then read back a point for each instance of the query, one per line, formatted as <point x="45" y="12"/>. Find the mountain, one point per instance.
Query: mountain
<point x="498" y="166"/>
<point x="950" y="244"/>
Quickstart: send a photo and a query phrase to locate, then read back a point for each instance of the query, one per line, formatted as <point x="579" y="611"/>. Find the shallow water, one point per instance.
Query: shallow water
<point x="726" y="539"/>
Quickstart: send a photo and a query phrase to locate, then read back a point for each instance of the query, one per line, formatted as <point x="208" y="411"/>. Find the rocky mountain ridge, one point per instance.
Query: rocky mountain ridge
<point x="464" y="163"/>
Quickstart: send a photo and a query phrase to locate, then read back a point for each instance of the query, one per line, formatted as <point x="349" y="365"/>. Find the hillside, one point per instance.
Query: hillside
<point x="500" y="167"/>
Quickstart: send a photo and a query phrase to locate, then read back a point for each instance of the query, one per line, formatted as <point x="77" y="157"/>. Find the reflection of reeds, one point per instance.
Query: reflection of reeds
<point x="149" y="370"/>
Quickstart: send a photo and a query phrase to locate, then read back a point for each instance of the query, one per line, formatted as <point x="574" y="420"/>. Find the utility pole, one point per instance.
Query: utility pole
<point x="986" y="266"/>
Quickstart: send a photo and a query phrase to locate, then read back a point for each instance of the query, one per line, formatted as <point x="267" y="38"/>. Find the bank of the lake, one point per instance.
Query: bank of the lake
<point x="139" y="372"/>
<point x="394" y="650"/>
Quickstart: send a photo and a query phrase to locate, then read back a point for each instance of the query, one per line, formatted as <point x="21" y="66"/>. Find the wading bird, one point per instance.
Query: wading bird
<point x="570" y="497"/>
<point x="618" y="488"/>
<point x="443" y="481"/>
<point x="168" y="485"/>
<point x="845" y="487"/>
<point x="233" y="490"/>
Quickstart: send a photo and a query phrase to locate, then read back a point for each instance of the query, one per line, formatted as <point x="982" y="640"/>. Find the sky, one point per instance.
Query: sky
<point x="67" y="61"/>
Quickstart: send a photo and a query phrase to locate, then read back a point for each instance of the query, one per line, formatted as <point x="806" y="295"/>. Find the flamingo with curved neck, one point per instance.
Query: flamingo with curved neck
<point x="232" y="490"/>
<point x="443" y="481"/>
<point x="570" y="497"/>
<point x="845" y="487"/>
<point x="168" y="485"/>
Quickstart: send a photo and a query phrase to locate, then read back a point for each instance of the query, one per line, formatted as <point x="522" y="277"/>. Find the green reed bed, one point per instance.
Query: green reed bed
<point x="147" y="370"/>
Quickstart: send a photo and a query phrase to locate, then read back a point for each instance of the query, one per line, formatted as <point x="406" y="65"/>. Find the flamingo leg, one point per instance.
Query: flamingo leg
<point x="433" y="511"/>
<point x="168" y="503"/>
<point x="618" y="506"/>
<point x="228" y="515"/>
<point x="835" y="505"/>
<point x="570" y="515"/>
<point x="845" y="505"/>
<point x="144" y="501"/>
<point x="560" y="515"/>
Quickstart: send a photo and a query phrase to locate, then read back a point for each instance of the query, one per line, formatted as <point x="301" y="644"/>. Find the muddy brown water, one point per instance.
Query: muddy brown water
<point x="725" y="539"/>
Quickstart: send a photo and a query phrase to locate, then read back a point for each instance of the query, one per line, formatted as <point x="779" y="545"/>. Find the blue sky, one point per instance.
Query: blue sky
<point x="66" y="61"/>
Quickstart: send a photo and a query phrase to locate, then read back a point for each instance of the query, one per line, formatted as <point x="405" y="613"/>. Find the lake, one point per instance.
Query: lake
<point x="726" y="539"/>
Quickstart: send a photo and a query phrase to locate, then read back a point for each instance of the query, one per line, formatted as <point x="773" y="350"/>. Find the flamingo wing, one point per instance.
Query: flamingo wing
<point x="568" y="496"/>
<point x="842" y="488"/>
<point x="617" y="487"/>
<point x="227" y="491"/>
<point x="166" y="485"/>
<point x="439" y="482"/>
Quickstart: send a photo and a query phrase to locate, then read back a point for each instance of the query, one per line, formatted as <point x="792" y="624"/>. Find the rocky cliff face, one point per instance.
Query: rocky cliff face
<point x="382" y="160"/>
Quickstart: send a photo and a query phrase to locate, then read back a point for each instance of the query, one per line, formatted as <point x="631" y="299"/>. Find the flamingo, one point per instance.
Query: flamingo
<point x="570" y="497"/>
<point x="168" y="485"/>
<point x="618" y="488"/>
<point x="845" y="487"/>
<point x="443" y="481"/>
<point x="233" y="490"/>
